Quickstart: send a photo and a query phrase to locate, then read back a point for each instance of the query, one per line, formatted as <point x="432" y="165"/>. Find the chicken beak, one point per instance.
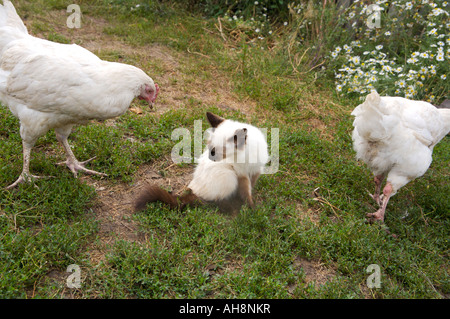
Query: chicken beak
<point x="150" y="96"/>
<point x="148" y="99"/>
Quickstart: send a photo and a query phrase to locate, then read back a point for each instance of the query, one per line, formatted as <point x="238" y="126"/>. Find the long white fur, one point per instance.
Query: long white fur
<point x="218" y="180"/>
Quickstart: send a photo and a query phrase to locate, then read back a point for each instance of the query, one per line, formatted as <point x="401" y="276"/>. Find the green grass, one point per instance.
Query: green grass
<point x="201" y="252"/>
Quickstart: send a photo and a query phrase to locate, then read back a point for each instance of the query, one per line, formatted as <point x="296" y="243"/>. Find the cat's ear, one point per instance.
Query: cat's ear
<point x="240" y="137"/>
<point x="214" y="120"/>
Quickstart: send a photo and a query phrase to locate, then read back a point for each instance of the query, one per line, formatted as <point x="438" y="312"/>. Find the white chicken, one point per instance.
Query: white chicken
<point x="395" y="137"/>
<point x="49" y="85"/>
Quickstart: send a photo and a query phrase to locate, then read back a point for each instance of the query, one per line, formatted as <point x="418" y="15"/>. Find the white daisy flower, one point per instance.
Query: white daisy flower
<point x="432" y="31"/>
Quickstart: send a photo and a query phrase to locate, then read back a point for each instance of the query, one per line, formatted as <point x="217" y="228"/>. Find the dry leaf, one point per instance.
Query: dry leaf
<point x="136" y="110"/>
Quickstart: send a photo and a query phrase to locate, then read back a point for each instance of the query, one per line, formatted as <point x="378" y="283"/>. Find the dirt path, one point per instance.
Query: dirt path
<point x="114" y="208"/>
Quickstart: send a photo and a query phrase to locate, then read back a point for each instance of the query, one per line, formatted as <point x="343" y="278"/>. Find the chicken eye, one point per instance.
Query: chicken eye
<point x="213" y="151"/>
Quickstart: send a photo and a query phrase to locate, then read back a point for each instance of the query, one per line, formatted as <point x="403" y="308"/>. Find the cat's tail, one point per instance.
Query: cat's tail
<point x="153" y="193"/>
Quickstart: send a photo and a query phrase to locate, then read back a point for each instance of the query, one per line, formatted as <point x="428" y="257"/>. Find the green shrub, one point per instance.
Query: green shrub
<point x="406" y="54"/>
<point x="399" y="47"/>
<point x="240" y="8"/>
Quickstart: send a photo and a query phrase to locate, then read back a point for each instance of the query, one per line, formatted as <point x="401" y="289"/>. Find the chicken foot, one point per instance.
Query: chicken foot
<point x="72" y="163"/>
<point x="376" y="195"/>
<point x="384" y="199"/>
<point x="26" y="176"/>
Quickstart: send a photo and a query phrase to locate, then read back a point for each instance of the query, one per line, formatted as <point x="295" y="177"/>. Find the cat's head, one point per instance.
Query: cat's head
<point x="227" y="138"/>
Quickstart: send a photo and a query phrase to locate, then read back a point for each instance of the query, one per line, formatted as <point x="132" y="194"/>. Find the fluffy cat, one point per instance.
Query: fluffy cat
<point x="226" y="172"/>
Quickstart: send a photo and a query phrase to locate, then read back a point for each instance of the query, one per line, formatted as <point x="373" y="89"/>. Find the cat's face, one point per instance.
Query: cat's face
<point x="227" y="147"/>
<point x="226" y="141"/>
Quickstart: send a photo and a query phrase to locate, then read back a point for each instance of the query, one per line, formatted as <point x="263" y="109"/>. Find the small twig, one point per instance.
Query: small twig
<point x="297" y="62"/>
<point x="126" y="226"/>
<point x="324" y="201"/>
<point x="429" y="281"/>
<point x="198" y="53"/>
<point x="220" y="29"/>
<point x="301" y="58"/>
<point x="207" y="30"/>
<point x="34" y="288"/>
<point x="24" y="211"/>
<point x="290" y="60"/>
<point x="423" y="217"/>
<point x="171" y="165"/>
<point x="321" y="17"/>
<point x="313" y="67"/>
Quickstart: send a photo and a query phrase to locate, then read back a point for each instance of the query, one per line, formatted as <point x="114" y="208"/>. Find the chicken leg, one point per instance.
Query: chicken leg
<point x="25" y="176"/>
<point x="378" y="179"/>
<point x="384" y="199"/>
<point x="71" y="162"/>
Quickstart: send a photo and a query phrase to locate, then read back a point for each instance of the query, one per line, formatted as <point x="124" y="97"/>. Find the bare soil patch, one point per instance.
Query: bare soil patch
<point x="315" y="272"/>
<point x="114" y="206"/>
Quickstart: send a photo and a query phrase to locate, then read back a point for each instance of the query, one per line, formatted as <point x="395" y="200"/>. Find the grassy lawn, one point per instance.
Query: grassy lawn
<point x="307" y="237"/>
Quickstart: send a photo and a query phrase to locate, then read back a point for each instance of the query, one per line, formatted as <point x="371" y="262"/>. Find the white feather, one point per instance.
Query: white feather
<point x="49" y="85"/>
<point x="396" y="136"/>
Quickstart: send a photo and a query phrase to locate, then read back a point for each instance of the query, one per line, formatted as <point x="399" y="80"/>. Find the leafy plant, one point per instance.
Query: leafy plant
<point x="405" y="55"/>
